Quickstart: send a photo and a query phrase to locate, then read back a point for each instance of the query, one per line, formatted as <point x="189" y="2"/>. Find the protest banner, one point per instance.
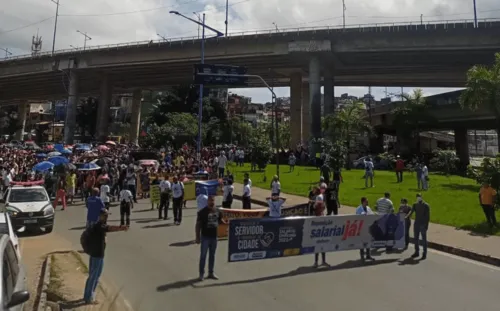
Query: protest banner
<point x="154" y="194"/>
<point x="229" y="214"/>
<point x="189" y="190"/>
<point x="264" y="238"/>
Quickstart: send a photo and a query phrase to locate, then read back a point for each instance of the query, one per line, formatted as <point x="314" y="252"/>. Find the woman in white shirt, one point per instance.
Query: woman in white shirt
<point x="227" y="194"/>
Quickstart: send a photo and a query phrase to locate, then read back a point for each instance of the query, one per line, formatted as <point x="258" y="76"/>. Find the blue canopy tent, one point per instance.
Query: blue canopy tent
<point x="43" y="166"/>
<point x="207" y="187"/>
<point x="58" y="160"/>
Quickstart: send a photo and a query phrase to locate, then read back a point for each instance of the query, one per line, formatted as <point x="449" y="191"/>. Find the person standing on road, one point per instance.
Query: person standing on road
<point x="422" y="212"/>
<point x="94" y="207"/>
<point x="364" y="209"/>
<point x="227" y="194"/>
<point x="207" y="224"/>
<point x="222" y="164"/>
<point x="61" y="193"/>
<point x="178" y="199"/>
<point x="400" y="166"/>
<point x="319" y="210"/>
<point x="275" y="203"/>
<point x="105" y="192"/>
<point x="405" y="209"/>
<point x="97" y="247"/>
<point x="331" y="199"/>
<point x="165" y="190"/>
<point x="247" y="194"/>
<point x="70" y="186"/>
<point x="126" y="204"/>
<point x="487" y="196"/>
<point x="132" y="182"/>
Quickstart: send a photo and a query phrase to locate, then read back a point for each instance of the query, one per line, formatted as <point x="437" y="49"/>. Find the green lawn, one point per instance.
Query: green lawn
<point x="453" y="199"/>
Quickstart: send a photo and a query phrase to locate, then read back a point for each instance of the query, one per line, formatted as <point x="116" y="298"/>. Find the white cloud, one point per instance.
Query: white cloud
<point x="106" y="23"/>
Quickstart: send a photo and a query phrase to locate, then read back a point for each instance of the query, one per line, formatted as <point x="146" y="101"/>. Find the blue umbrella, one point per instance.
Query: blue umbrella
<point x="43" y="166"/>
<point x="41" y="155"/>
<point x="66" y="151"/>
<point x="58" y="160"/>
<point x="89" y="167"/>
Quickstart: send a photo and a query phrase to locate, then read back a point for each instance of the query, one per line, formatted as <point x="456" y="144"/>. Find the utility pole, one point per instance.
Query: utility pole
<point x="36" y="44"/>
<point x="7" y="53"/>
<point x="227" y="14"/>
<point x="421" y="19"/>
<point x="86" y="37"/>
<point x="475" y="14"/>
<point x="343" y="13"/>
<point x="165" y="39"/>
<point x="199" y="19"/>
<point x="55" y="25"/>
<point x="276" y="26"/>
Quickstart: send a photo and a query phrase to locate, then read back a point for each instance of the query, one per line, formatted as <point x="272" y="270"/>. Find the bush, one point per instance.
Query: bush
<point x="445" y="161"/>
<point x="488" y="171"/>
<point x="261" y="149"/>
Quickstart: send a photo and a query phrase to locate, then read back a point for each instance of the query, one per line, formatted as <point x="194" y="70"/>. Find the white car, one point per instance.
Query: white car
<point x="7" y="228"/>
<point x="29" y="206"/>
<point x="14" y="293"/>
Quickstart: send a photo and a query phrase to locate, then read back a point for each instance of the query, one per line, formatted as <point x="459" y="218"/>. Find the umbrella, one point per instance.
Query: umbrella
<point x="41" y="155"/>
<point x="89" y="167"/>
<point x="103" y="148"/>
<point x="43" y="166"/>
<point x="66" y="151"/>
<point x="110" y="142"/>
<point x="69" y="166"/>
<point x="54" y="154"/>
<point x="58" y="160"/>
<point x="148" y="162"/>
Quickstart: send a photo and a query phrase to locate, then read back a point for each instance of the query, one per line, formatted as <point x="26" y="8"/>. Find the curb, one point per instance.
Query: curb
<point x="45" y="279"/>
<point x="487" y="259"/>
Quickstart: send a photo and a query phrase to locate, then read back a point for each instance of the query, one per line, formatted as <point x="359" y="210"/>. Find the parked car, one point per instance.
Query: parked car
<point x="7" y="228"/>
<point x="14" y="293"/>
<point x="378" y="163"/>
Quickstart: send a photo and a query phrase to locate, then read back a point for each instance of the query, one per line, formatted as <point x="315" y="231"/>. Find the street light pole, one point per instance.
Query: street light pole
<point x="86" y="37"/>
<point x="276" y="26"/>
<point x="199" y="19"/>
<point x="227" y="14"/>
<point x="200" y="105"/>
<point x="343" y="13"/>
<point x="475" y="14"/>
<point x="55" y="26"/>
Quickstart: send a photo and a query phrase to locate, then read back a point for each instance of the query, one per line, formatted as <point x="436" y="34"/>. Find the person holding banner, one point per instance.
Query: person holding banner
<point x="319" y="210"/>
<point x="207" y="223"/>
<point x="275" y="203"/>
<point x="364" y="209"/>
<point x="247" y="193"/>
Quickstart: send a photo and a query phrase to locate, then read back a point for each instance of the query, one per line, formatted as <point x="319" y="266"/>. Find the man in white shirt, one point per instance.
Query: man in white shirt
<point x="369" y="172"/>
<point x="247" y="194"/>
<point x="222" y="164"/>
<point x="126" y="203"/>
<point x="227" y="194"/>
<point x="105" y="192"/>
<point x="242" y="157"/>
<point x="364" y="209"/>
<point x="177" y="199"/>
<point x="131" y="182"/>
<point x="275" y="203"/>
<point x="165" y="189"/>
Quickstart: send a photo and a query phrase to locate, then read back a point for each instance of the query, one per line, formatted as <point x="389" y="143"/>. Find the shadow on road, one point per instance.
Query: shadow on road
<point x="146" y="221"/>
<point x="69" y="305"/>
<point x="409" y="262"/>
<point x="306" y="270"/>
<point x="182" y="244"/>
<point x="158" y="226"/>
<point x="78" y="228"/>
<point x="143" y="210"/>
<point x="177" y="285"/>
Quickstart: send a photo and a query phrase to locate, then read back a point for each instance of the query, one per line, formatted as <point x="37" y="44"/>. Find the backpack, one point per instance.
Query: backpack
<point x="85" y="240"/>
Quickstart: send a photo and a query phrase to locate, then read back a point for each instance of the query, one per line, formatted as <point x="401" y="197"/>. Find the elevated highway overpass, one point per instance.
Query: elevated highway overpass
<point x="428" y="55"/>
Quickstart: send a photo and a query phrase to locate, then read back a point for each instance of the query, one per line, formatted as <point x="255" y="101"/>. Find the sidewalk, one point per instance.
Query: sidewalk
<point x="443" y="238"/>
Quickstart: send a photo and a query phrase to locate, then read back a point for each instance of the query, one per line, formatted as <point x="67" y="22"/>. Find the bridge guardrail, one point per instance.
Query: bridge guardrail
<point x="379" y="27"/>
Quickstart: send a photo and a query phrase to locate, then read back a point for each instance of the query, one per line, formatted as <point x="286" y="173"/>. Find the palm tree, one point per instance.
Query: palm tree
<point x="409" y="116"/>
<point x="483" y="90"/>
<point x="347" y="123"/>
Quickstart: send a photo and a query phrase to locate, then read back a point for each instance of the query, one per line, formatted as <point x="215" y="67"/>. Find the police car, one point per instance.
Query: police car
<point x="28" y="205"/>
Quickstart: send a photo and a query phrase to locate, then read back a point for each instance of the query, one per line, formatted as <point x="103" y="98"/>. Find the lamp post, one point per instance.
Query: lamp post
<point x="199" y="19"/>
<point x="200" y="105"/>
<point x="55" y="26"/>
<point x="86" y="37"/>
<point x="276" y="26"/>
<point x="227" y="14"/>
<point x="475" y="13"/>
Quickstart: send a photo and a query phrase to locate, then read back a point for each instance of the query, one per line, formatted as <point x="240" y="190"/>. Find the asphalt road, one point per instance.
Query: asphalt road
<point x="155" y="264"/>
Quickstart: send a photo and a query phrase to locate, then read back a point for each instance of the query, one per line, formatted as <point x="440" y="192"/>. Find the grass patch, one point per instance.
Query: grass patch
<point x="453" y="199"/>
<point x="80" y="261"/>
<point x="54" y="289"/>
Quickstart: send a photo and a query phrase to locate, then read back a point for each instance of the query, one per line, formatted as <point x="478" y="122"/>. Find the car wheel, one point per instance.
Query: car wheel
<point x="49" y="229"/>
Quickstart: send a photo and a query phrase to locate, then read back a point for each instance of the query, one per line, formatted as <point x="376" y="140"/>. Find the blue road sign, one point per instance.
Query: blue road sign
<point x="220" y="75"/>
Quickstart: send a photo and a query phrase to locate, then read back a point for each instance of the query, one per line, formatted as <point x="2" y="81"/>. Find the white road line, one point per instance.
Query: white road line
<point x="477" y="263"/>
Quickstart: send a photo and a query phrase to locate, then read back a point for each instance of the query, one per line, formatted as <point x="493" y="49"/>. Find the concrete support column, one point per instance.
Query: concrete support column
<point x="314" y="101"/>
<point x="462" y="147"/>
<point x="328" y="102"/>
<point x="135" y="118"/>
<point x="306" y="120"/>
<point x="22" y="113"/>
<point x="102" y="126"/>
<point x="295" y="110"/>
<point x="73" y="98"/>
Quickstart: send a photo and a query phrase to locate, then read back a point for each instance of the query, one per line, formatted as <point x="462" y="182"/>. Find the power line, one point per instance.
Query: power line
<point x="26" y="26"/>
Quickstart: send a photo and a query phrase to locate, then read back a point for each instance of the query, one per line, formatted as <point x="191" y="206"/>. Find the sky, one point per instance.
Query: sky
<point x="120" y="21"/>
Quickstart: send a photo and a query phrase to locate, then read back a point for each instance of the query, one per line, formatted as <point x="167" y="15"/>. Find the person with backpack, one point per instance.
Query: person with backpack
<point x="93" y="242"/>
<point x="94" y="206"/>
<point x="227" y="196"/>
<point x="126" y="203"/>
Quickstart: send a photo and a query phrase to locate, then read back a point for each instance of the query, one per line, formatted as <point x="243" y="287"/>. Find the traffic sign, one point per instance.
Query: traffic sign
<point x="220" y="75"/>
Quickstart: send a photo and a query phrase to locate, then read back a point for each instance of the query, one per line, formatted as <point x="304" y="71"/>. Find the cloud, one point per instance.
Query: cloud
<point x="118" y="21"/>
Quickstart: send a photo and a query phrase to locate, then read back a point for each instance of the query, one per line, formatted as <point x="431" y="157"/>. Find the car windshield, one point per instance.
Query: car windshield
<point x="3" y="228"/>
<point x="27" y="195"/>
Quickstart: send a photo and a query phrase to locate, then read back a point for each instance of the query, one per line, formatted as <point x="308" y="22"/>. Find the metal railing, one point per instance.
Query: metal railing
<point x="379" y="27"/>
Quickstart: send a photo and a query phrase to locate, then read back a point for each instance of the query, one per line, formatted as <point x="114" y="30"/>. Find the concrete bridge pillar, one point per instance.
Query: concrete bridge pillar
<point x="73" y="97"/>
<point x="22" y="113"/>
<point x="135" y="118"/>
<point x="314" y="102"/>
<point x="295" y="110"/>
<point x="462" y="147"/>
<point x="102" y="126"/>
<point x="328" y="102"/>
<point x="306" y="122"/>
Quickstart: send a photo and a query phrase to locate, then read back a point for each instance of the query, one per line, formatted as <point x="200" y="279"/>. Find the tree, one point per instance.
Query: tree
<point x="488" y="171"/>
<point x="241" y="131"/>
<point x="178" y="129"/>
<point x="336" y="152"/>
<point x="347" y="123"/>
<point x="261" y="147"/>
<point x="409" y="116"/>
<point x="284" y="134"/>
<point x="483" y="90"/>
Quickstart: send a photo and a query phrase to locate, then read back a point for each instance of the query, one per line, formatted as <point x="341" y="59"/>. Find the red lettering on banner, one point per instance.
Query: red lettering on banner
<point x="352" y="229"/>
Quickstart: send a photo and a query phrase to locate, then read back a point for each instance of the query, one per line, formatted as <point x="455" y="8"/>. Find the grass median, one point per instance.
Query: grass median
<point x="453" y="199"/>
